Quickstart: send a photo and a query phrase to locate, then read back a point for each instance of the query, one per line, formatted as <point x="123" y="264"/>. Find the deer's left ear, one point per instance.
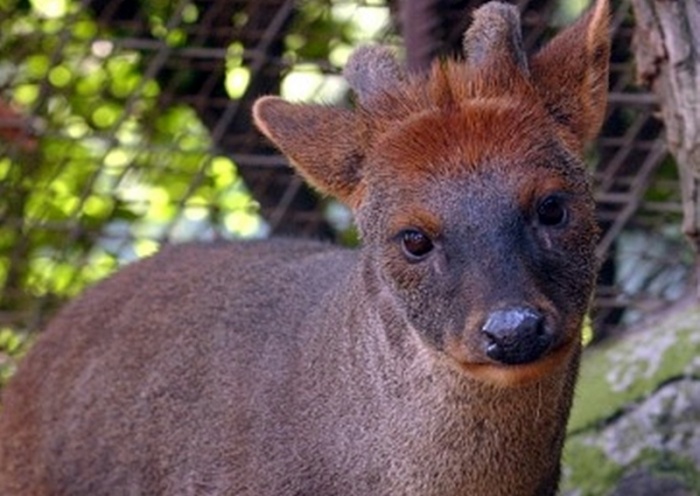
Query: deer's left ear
<point x="571" y="73"/>
<point x="327" y="145"/>
<point x="324" y="144"/>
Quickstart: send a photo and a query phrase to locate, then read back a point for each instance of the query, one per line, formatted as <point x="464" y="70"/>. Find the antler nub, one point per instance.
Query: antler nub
<point x="372" y="70"/>
<point x="495" y="37"/>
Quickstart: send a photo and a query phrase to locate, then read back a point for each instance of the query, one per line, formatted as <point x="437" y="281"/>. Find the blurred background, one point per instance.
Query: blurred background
<point x="125" y="124"/>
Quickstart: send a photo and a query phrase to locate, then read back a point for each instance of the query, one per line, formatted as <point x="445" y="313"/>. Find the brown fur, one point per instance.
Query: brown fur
<point x="292" y="367"/>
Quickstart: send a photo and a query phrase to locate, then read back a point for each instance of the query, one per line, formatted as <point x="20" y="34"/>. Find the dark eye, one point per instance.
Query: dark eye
<point x="551" y="211"/>
<point x="415" y="244"/>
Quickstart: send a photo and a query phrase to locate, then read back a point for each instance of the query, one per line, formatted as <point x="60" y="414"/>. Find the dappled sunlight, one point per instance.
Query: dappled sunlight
<point x="237" y="74"/>
<point x="353" y="24"/>
<point x="306" y="82"/>
<point x="569" y="10"/>
<point x="51" y="9"/>
<point x="111" y="157"/>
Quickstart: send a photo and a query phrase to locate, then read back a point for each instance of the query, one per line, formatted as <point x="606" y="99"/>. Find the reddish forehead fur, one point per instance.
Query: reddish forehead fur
<point x="457" y="119"/>
<point x="454" y="141"/>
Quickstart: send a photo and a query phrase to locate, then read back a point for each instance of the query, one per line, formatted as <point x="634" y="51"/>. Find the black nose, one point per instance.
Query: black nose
<point x="516" y="335"/>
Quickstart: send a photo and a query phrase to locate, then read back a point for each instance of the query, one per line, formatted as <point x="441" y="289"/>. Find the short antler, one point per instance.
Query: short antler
<point x="372" y="70"/>
<point x="495" y="38"/>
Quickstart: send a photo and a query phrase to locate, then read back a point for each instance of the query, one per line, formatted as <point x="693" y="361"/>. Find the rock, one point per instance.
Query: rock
<point x="635" y="426"/>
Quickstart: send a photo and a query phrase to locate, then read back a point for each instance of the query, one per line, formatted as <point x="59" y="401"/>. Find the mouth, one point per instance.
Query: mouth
<point x="513" y="375"/>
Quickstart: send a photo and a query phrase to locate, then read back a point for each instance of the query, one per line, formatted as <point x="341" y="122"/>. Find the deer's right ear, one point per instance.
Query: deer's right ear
<point x="323" y="143"/>
<point x="571" y="73"/>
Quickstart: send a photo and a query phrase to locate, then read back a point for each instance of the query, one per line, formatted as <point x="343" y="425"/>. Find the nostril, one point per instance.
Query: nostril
<point x="516" y="335"/>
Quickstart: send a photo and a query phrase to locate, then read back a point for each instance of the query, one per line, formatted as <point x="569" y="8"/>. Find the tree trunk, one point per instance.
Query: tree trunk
<point x="667" y="50"/>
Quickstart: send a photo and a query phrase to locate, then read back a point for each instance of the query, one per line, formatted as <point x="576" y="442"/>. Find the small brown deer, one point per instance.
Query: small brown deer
<point x="439" y="359"/>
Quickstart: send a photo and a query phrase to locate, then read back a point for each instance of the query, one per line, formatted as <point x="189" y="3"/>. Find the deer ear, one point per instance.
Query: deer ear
<point x="322" y="143"/>
<point x="571" y="73"/>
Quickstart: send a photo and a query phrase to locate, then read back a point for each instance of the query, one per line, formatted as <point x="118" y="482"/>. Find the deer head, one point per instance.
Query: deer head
<point x="468" y="187"/>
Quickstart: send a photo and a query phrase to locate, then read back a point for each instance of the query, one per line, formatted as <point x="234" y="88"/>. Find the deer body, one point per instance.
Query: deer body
<point x="362" y="433"/>
<point x="439" y="359"/>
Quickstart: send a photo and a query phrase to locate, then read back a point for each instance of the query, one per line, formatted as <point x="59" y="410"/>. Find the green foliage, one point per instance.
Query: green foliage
<point x="665" y="187"/>
<point x="322" y="38"/>
<point x="12" y="346"/>
<point x="114" y="172"/>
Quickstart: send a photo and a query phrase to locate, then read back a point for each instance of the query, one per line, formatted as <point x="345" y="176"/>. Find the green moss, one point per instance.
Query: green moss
<point x="588" y="471"/>
<point x="621" y="372"/>
<point x="594" y="400"/>
<point x="615" y="376"/>
<point x="667" y="465"/>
